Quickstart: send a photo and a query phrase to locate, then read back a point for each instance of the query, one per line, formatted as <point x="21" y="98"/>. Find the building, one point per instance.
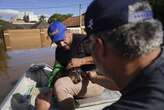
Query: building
<point x="20" y="18"/>
<point x="75" y="24"/>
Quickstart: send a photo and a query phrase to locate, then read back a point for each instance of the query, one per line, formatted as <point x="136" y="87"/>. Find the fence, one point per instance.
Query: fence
<point x="25" y="39"/>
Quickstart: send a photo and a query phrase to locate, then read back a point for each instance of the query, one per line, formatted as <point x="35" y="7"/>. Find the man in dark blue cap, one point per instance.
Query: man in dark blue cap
<point x="70" y="54"/>
<point x="126" y="46"/>
<point x="56" y="31"/>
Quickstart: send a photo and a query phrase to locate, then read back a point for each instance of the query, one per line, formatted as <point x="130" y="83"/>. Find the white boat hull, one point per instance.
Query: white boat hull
<point x="27" y="86"/>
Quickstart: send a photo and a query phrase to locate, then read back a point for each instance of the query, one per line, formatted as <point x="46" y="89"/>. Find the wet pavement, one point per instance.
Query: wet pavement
<point x="13" y="65"/>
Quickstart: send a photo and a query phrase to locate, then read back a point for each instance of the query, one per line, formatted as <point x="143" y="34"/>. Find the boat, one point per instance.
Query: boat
<point x="34" y="80"/>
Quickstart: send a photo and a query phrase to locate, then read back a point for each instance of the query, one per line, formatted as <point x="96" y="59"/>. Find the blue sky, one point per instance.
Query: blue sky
<point x="41" y="7"/>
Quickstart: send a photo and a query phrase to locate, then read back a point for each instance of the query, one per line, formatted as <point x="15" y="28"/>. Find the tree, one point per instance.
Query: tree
<point x="42" y="18"/>
<point x="60" y="17"/>
<point x="26" y="18"/>
<point x="158" y="7"/>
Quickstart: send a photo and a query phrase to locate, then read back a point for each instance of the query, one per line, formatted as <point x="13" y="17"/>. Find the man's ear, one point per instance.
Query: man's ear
<point x="100" y="48"/>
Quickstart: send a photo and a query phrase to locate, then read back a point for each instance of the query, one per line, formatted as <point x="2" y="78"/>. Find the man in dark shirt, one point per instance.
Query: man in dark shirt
<point x="71" y="54"/>
<point x="126" y="46"/>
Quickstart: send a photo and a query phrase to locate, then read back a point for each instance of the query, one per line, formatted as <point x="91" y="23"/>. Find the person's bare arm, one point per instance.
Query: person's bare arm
<point x="77" y="62"/>
<point x="101" y="80"/>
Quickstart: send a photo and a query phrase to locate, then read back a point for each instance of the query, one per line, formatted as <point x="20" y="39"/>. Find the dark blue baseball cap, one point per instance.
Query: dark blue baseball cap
<point x="103" y="15"/>
<point x="56" y="31"/>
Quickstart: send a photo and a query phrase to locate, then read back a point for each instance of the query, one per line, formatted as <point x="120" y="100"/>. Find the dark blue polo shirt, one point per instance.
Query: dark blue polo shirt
<point x="145" y="91"/>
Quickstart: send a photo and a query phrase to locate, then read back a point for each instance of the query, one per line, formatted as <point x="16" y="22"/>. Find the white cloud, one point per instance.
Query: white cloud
<point x="8" y="12"/>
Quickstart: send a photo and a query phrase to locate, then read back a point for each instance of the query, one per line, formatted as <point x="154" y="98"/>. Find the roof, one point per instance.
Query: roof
<point x="74" y="21"/>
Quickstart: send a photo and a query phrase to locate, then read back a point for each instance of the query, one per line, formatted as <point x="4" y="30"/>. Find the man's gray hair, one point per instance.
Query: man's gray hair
<point x="134" y="39"/>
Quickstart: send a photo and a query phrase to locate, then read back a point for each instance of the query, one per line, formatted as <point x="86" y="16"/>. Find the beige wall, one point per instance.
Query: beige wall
<point x="26" y="39"/>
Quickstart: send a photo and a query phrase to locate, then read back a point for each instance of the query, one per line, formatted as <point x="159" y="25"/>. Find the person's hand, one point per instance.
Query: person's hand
<point x="43" y="101"/>
<point x="77" y="62"/>
<point x="91" y="75"/>
<point x="74" y="62"/>
<point x="101" y="80"/>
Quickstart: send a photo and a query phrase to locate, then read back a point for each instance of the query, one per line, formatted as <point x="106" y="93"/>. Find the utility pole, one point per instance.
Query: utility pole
<point x="80" y="18"/>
